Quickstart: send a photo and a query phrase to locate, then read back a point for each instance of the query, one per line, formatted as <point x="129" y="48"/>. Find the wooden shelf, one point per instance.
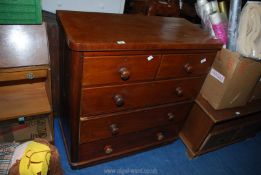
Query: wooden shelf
<point x="23" y="100"/>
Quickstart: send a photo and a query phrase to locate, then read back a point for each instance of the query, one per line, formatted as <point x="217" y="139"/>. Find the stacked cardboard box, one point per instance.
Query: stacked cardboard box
<point x="231" y="81"/>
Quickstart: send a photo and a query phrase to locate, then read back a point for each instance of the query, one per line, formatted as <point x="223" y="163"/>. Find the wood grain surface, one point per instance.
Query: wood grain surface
<point x="23" y="100"/>
<point x="87" y="31"/>
<point x="23" y="45"/>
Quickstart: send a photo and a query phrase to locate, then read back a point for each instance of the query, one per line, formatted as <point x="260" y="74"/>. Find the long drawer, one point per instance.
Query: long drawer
<point x="185" y="65"/>
<point x="125" y="122"/>
<point x="124" y="144"/>
<point x="119" y="69"/>
<point x="129" y="96"/>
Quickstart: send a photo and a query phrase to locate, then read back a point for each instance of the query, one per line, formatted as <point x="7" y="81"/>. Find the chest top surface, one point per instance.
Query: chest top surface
<point x="87" y="31"/>
<point x="23" y="45"/>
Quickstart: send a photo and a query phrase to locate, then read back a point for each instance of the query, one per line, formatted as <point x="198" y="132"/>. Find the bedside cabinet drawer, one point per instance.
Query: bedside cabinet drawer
<point x="119" y="124"/>
<point x="217" y="139"/>
<point x="119" y="69"/>
<point x="185" y="65"/>
<point x="249" y="129"/>
<point x="106" y="148"/>
<point x="23" y="75"/>
<point x="130" y="96"/>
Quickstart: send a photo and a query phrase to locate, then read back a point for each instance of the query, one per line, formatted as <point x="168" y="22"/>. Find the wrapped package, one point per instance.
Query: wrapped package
<point x="249" y="32"/>
<point x="234" y="14"/>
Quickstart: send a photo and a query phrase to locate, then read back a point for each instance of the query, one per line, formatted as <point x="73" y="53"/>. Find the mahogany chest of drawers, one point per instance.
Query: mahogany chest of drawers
<point x="127" y="82"/>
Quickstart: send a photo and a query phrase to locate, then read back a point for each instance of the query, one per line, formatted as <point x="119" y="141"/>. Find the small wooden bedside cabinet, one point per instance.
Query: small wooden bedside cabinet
<point x="207" y="129"/>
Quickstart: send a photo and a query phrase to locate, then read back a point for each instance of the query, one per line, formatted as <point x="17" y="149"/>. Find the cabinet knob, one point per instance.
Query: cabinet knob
<point x="119" y="101"/>
<point x="30" y="75"/>
<point x="114" y="129"/>
<point x="171" y="116"/>
<point x="179" y="91"/>
<point x="160" y="136"/>
<point x="188" y="68"/>
<point x="124" y="73"/>
<point x="108" y="149"/>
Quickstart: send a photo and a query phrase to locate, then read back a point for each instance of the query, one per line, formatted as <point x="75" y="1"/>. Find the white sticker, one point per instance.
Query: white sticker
<point x="149" y="58"/>
<point x="237" y="113"/>
<point x="203" y="60"/>
<point x="121" y="42"/>
<point x="217" y="75"/>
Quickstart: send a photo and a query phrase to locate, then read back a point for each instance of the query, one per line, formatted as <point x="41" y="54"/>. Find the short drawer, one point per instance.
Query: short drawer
<point x="22" y="75"/>
<point x="185" y="65"/>
<point x="119" y="69"/>
<point x="125" y="144"/>
<point x="218" y="139"/>
<point x="130" y="96"/>
<point x="113" y="125"/>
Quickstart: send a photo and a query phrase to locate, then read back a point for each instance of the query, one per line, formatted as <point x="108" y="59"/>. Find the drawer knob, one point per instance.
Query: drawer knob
<point x="125" y="73"/>
<point x="171" y="116"/>
<point x="108" y="149"/>
<point x="119" y="101"/>
<point x="188" y="68"/>
<point x="114" y="129"/>
<point x="30" y="75"/>
<point x="179" y="91"/>
<point x="160" y="136"/>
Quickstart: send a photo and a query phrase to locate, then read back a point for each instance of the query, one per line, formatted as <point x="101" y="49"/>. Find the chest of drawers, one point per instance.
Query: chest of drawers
<point x="127" y="82"/>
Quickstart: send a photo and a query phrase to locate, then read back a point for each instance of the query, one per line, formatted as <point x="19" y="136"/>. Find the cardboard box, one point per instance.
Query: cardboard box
<point x="256" y="94"/>
<point x="31" y="128"/>
<point x="231" y="80"/>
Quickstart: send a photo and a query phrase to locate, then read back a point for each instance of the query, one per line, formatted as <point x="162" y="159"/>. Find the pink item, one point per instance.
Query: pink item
<point x="219" y="27"/>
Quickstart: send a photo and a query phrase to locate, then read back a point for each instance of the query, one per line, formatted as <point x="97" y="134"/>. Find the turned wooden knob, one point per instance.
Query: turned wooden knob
<point x="160" y="136"/>
<point x="114" y="129"/>
<point x="124" y="73"/>
<point x="188" y="68"/>
<point x="119" y="101"/>
<point x="179" y="91"/>
<point x="108" y="149"/>
<point x="171" y="116"/>
<point x="30" y="75"/>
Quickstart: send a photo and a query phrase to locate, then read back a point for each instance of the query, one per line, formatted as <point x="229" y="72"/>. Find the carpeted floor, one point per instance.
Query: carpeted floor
<point x="243" y="158"/>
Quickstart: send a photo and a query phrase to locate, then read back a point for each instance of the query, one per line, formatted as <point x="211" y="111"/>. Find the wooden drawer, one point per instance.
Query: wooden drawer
<point x="185" y="65"/>
<point x="22" y="75"/>
<point x="119" y="69"/>
<point x="122" y="123"/>
<point x="250" y="129"/>
<point x="124" y="144"/>
<point x="129" y="96"/>
<point x="217" y="139"/>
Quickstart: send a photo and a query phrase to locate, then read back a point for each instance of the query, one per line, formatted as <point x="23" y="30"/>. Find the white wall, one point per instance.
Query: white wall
<point x="109" y="6"/>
